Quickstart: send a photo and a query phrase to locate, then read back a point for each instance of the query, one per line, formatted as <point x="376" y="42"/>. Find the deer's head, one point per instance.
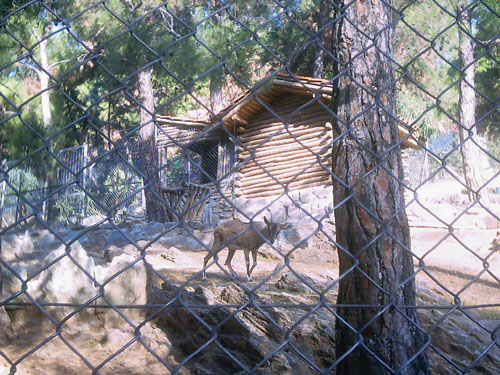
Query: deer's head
<point x="274" y="229"/>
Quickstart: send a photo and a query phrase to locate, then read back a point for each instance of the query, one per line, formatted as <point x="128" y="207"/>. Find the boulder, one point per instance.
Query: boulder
<point x="63" y="278"/>
<point x="6" y="329"/>
<point x="290" y="281"/>
<point x="251" y="335"/>
<point x="122" y="285"/>
<point x="459" y="337"/>
<point x="15" y="246"/>
<point x="12" y="279"/>
<point x="4" y="370"/>
<point x="188" y="242"/>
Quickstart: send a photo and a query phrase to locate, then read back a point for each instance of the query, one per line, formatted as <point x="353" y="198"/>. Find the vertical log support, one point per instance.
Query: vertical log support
<point x="155" y="209"/>
<point x="376" y="265"/>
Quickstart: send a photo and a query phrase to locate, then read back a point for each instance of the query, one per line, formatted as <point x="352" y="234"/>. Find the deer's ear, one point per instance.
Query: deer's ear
<point x="266" y="221"/>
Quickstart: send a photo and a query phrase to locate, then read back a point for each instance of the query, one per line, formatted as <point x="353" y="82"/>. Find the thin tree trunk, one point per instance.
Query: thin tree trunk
<point x="52" y="211"/>
<point x="216" y="100"/>
<point x="216" y="92"/>
<point x="376" y="265"/>
<point x="44" y="84"/>
<point x="155" y="209"/>
<point x="319" y="60"/>
<point x="473" y="158"/>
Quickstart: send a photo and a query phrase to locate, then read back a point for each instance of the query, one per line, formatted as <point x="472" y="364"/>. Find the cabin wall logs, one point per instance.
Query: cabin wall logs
<point x="297" y="155"/>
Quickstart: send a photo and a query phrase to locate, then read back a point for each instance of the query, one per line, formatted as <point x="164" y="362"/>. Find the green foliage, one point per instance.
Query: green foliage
<point x="428" y="91"/>
<point x="488" y="65"/>
<point x="68" y="206"/>
<point x="196" y="47"/>
<point x="493" y="142"/>
<point x="24" y="180"/>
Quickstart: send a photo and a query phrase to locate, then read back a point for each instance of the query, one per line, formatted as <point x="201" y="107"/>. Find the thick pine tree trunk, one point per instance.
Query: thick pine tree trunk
<point x="155" y="209"/>
<point x="376" y="266"/>
<point x="473" y="158"/>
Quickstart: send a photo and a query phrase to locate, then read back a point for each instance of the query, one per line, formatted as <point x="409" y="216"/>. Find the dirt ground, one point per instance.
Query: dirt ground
<point x="450" y="268"/>
<point x="448" y="264"/>
<point x="455" y="262"/>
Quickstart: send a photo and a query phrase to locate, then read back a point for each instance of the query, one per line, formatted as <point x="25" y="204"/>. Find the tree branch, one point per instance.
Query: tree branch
<point x="489" y="42"/>
<point x="62" y="62"/>
<point x="169" y="20"/>
<point x="31" y="66"/>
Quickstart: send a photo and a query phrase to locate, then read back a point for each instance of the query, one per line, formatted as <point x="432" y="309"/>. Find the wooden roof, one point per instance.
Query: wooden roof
<point x="251" y="103"/>
<point x="176" y="131"/>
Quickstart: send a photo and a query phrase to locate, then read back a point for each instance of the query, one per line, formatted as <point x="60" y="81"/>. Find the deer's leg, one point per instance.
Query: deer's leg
<point x="229" y="258"/>
<point x="247" y="262"/>
<point x="211" y="253"/>
<point x="205" y="262"/>
<point x="254" y="256"/>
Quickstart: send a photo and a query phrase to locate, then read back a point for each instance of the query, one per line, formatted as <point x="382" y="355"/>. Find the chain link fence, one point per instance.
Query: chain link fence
<point x="344" y="153"/>
<point x="108" y="179"/>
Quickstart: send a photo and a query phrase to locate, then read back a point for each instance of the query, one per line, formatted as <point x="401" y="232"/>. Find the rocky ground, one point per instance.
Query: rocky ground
<point x="280" y="329"/>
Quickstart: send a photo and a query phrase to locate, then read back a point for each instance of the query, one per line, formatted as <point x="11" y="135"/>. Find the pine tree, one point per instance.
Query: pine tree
<point x="372" y="229"/>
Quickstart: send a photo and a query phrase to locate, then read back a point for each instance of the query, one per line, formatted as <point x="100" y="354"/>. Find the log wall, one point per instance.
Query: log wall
<point x="297" y="155"/>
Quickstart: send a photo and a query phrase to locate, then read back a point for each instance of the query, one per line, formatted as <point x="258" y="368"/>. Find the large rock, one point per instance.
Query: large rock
<point x="461" y="338"/>
<point x="300" y="205"/>
<point x="250" y="335"/>
<point x="19" y="245"/>
<point x="124" y="280"/>
<point x="12" y="279"/>
<point x="65" y="277"/>
<point x="15" y="245"/>
<point x="6" y="329"/>
<point x="197" y="242"/>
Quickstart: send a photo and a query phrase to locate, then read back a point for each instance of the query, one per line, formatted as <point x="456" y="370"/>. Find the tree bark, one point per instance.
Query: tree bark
<point x="319" y="60"/>
<point x="44" y="84"/>
<point x="52" y="211"/>
<point x="155" y="208"/>
<point x="473" y="158"/>
<point x="216" y="91"/>
<point x="376" y="267"/>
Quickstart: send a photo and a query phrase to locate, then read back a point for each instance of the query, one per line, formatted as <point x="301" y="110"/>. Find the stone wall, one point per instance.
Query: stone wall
<point x="305" y="204"/>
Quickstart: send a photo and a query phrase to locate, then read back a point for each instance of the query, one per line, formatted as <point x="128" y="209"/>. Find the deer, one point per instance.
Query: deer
<point x="237" y="235"/>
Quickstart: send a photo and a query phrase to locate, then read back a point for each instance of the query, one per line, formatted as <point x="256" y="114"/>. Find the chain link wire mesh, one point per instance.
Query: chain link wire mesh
<point x="172" y="129"/>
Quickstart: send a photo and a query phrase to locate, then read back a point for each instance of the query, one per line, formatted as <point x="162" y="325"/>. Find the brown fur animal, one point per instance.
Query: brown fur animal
<point x="236" y="235"/>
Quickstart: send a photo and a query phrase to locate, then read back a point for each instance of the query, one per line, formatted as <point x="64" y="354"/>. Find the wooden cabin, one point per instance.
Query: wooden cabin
<point x="277" y="137"/>
<point x="285" y="134"/>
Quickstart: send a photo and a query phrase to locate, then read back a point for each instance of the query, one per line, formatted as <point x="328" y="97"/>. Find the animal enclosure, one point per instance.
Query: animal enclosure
<point x="343" y="156"/>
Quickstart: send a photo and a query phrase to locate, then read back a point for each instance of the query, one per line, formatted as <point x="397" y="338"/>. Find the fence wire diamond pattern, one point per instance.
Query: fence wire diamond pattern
<point x="349" y="150"/>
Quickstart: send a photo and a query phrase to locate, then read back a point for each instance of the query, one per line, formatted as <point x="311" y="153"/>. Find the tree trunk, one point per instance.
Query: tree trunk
<point x="319" y="60"/>
<point x="44" y="84"/>
<point x="52" y="211"/>
<point x="473" y="158"/>
<point x="216" y="92"/>
<point x="155" y="208"/>
<point x="376" y="265"/>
